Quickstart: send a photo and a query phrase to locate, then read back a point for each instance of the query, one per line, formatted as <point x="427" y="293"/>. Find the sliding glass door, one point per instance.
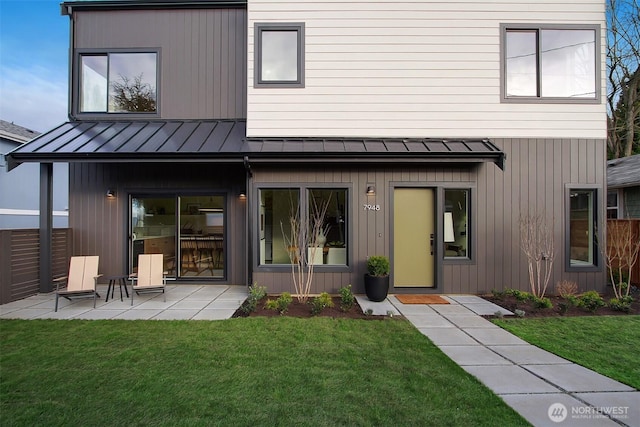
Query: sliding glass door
<point x="153" y="225"/>
<point x="189" y="230"/>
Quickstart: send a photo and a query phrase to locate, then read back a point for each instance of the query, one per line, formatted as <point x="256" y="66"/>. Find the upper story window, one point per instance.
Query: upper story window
<point x="279" y="55"/>
<point x="122" y="82"/>
<point x="550" y="63"/>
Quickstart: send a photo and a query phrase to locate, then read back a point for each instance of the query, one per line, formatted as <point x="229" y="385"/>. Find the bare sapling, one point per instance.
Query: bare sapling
<point x="536" y="241"/>
<point x="301" y="244"/>
<point x="620" y="254"/>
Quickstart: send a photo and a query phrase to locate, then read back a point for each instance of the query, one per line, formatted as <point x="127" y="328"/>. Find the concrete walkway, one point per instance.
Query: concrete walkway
<point x="184" y="302"/>
<point x="544" y="388"/>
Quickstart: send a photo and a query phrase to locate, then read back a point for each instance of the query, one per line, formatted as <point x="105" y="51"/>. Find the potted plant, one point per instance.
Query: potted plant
<point x="376" y="281"/>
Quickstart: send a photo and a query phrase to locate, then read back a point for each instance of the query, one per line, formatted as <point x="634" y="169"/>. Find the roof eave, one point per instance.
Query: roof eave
<point x="68" y="7"/>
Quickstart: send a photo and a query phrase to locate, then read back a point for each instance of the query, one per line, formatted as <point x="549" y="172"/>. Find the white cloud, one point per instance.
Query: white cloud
<point x="34" y="98"/>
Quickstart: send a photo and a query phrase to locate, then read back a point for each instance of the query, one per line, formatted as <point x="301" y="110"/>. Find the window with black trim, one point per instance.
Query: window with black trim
<point x="286" y="220"/>
<point x="550" y="62"/>
<point x="456" y="223"/>
<point x="279" y="55"/>
<point x="118" y="82"/>
<point x="582" y="242"/>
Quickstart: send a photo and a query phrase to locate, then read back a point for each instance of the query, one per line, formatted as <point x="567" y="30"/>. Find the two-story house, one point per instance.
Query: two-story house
<point x="428" y="129"/>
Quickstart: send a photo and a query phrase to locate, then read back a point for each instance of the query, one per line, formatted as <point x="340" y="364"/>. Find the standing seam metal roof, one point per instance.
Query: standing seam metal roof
<point x="225" y="140"/>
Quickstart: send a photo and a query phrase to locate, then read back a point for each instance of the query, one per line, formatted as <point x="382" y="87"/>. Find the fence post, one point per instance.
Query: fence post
<point x="5" y="266"/>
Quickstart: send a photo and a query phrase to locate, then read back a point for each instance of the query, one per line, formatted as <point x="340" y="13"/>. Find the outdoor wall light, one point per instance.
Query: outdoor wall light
<point x="242" y="195"/>
<point x="111" y="194"/>
<point x="371" y="190"/>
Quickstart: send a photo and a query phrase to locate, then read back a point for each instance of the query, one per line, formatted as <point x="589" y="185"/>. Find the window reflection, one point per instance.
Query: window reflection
<point x="550" y="63"/>
<point x="276" y="206"/>
<point x="118" y="82"/>
<point x="279" y="56"/>
<point x="582" y="227"/>
<point x="456" y="223"/>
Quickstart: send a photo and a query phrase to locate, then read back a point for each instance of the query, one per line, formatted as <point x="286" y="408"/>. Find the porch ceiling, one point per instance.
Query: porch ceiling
<point x="226" y="141"/>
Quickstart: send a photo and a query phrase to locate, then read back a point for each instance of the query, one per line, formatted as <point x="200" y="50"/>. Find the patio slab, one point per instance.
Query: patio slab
<point x="510" y="379"/>
<point x="214" y="314"/>
<point x="553" y="409"/>
<point x="138" y="314"/>
<point x="172" y="314"/>
<point x="473" y="355"/>
<point x="575" y="378"/>
<point x="382" y="308"/>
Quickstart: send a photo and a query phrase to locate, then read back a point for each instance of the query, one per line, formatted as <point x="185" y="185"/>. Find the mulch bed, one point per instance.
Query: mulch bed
<point x="298" y="309"/>
<point x="511" y="303"/>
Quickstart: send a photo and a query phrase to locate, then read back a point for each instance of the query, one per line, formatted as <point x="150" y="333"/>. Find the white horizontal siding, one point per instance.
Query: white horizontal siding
<point x="413" y="69"/>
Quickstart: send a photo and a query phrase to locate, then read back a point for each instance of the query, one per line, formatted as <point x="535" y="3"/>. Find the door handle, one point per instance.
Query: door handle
<point x="432" y="241"/>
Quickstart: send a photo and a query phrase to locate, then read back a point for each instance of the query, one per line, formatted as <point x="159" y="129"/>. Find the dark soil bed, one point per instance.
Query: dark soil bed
<point x="511" y="303"/>
<point x="298" y="309"/>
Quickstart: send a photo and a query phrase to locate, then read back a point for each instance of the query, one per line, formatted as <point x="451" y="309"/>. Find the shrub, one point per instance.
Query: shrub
<point x="621" y="304"/>
<point x="519" y="313"/>
<point x="563" y="307"/>
<point x="591" y="301"/>
<point x="281" y="304"/>
<point x="256" y="293"/>
<point x="321" y="302"/>
<point x="565" y="288"/>
<point x="519" y="295"/>
<point x="347" y="300"/>
<point x="497" y="294"/>
<point x="378" y="265"/>
<point x="542" y="302"/>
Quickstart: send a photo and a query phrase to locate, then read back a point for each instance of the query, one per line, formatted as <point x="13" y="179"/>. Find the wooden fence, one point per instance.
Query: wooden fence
<point x="20" y="261"/>
<point x="635" y="237"/>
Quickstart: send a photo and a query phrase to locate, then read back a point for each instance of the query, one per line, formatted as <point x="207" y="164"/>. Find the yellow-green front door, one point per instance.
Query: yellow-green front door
<point x="413" y="237"/>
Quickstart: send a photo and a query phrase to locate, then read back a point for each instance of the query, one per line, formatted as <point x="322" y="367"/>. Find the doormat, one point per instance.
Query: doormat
<point x="421" y="299"/>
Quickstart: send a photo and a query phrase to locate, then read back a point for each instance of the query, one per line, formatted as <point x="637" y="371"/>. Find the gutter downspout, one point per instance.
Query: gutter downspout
<point x="247" y="222"/>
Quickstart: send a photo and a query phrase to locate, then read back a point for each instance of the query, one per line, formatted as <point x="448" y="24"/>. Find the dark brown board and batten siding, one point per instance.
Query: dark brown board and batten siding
<point x="536" y="175"/>
<point x="203" y="55"/>
<point x="100" y="225"/>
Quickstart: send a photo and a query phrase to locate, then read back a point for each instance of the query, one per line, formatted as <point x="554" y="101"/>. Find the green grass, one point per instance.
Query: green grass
<point x="238" y="372"/>
<point x="609" y="345"/>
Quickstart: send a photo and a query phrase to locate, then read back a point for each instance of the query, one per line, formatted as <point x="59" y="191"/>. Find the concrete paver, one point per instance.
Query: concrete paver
<point x="510" y="379"/>
<point x="576" y="378"/>
<point x="474" y="355"/>
<point x="527" y="355"/>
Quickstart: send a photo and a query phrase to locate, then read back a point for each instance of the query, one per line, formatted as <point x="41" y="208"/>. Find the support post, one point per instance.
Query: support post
<point x="46" y="226"/>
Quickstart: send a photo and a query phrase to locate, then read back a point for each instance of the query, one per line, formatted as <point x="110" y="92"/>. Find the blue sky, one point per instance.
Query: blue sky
<point x="34" y="41"/>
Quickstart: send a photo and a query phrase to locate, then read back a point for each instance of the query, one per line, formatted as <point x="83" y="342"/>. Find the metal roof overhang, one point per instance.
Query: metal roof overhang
<point x="226" y="141"/>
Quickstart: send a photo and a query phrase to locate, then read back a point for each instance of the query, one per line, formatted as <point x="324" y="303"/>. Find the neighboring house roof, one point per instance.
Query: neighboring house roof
<point x="16" y="133"/>
<point x="225" y="140"/>
<point x="623" y="172"/>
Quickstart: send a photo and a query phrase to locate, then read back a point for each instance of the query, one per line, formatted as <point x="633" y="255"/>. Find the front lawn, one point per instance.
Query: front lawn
<point x="238" y="372"/>
<point x="609" y="345"/>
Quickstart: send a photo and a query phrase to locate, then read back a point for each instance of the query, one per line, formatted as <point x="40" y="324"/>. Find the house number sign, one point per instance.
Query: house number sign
<point x="371" y="207"/>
